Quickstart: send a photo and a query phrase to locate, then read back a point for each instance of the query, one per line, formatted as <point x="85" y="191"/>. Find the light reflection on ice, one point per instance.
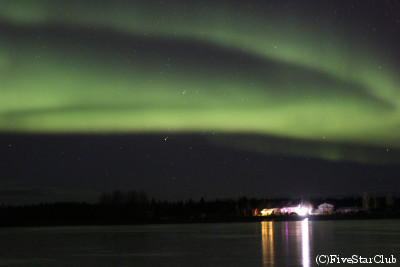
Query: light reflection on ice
<point x="305" y="243"/>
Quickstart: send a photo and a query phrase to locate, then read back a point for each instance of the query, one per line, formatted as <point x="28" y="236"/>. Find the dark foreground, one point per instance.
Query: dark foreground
<point x="267" y="243"/>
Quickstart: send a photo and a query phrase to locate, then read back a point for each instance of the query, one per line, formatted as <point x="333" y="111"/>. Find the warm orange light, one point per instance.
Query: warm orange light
<point x="267" y="234"/>
<point x="267" y="212"/>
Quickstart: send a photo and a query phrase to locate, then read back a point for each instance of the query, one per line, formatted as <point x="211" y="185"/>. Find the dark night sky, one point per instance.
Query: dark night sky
<point x="183" y="166"/>
<point x="209" y="99"/>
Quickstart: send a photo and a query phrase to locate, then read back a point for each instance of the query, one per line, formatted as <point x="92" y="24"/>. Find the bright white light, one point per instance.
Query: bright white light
<point x="305" y="243"/>
<point x="302" y="211"/>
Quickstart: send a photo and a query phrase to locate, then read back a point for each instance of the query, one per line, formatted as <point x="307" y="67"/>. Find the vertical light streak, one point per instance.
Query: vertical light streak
<point x="305" y="243"/>
<point x="267" y="234"/>
<point x="287" y="237"/>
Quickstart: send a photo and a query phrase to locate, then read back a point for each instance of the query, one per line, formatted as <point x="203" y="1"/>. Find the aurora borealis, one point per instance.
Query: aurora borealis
<point x="296" y="78"/>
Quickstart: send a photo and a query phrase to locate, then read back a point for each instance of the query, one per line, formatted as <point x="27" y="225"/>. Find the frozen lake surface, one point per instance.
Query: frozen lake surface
<point x="223" y="244"/>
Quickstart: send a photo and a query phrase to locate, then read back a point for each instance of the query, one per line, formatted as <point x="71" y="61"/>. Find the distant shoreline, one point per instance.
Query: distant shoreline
<point x="133" y="208"/>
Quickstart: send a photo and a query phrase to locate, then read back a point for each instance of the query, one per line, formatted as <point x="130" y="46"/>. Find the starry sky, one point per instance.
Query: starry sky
<point x="198" y="98"/>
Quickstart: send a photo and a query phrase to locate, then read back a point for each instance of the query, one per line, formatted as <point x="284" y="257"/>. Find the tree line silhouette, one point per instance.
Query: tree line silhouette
<point x="134" y="207"/>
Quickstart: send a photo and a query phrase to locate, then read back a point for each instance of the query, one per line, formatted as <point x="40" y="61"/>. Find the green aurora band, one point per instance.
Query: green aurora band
<point x="266" y="75"/>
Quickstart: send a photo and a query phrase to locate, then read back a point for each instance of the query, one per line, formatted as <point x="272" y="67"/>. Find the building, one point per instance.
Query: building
<point x="325" y="208"/>
<point x="267" y="212"/>
<point x="300" y="210"/>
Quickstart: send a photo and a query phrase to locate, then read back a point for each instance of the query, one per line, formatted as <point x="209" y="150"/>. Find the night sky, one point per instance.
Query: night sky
<point x="214" y="99"/>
